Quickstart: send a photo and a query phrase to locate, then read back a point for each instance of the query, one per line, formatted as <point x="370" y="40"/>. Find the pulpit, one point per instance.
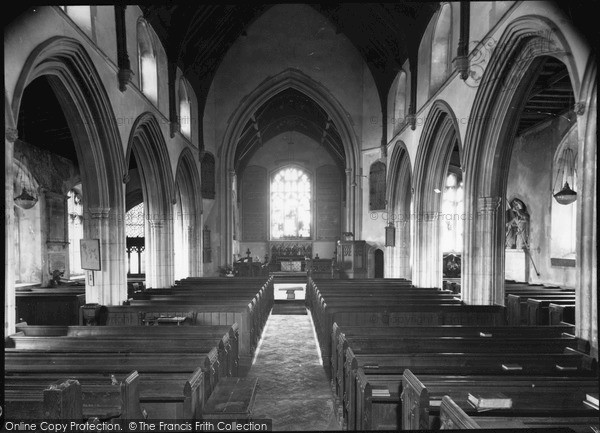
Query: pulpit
<point x="352" y="259"/>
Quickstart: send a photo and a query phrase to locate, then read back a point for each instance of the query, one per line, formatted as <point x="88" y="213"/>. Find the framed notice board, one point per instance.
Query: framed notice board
<point x="90" y="254"/>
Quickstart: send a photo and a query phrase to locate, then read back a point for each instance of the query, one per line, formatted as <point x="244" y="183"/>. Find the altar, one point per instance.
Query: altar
<point x="291" y="266"/>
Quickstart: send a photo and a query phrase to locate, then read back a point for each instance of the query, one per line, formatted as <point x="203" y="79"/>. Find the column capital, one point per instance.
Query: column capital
<point x="579" y="108"/>
<point x="99" y="212"/>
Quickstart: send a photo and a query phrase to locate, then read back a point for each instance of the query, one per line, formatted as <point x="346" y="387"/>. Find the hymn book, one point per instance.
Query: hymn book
<point x="511" y="367"/>
<point x="489" y="400"/>
<point x="591" y="400"/>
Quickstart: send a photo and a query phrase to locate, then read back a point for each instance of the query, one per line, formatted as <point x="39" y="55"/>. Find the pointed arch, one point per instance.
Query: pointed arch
<point x="399" y="199"/>
<point x="188" y="217"/>
<point x="295" y="79"/>
<point x="440" y="135"/>
<point x="488" y="147"/>
<point x="147" y="144"/>
<point x="81" y="94"/>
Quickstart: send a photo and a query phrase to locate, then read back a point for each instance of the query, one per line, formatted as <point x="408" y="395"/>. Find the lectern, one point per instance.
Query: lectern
<point x="352" y="259"/>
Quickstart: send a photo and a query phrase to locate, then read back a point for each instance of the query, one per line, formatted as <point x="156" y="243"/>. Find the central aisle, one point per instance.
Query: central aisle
<point x="293" y="389"/>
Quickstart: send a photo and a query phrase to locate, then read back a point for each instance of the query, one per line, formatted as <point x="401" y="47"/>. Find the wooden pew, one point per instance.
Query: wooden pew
<point x="386" y="365"/>
<point x="175" y="369"/>
<point x="454" y="418"/>
<point x="228" y="335"/>
<point x="125" y="344"/>
<point x="516" y="303"/>
<point x="338" y="356"/>
<point x="101" y="399"/>
<point x="417" y="408"/>
<point x="162" y="395"/>
<point x="561" y="314"/>
<point x="538" y="309"/>
<point x="51" y="306"/>
<point x="442" y="344"/>
<point x="61" y="400"/>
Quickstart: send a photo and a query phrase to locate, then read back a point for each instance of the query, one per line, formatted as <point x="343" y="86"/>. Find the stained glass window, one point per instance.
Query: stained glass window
<point x="291" y="205"/>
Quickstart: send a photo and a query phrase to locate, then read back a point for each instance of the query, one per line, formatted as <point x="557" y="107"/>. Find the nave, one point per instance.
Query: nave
<point x="370" y="355"/>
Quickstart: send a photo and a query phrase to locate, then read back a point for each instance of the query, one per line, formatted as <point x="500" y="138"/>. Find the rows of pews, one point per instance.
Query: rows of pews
<point x="536" y="304"/>
<point x="394" y="352"/>
<point x="165" y="354"/>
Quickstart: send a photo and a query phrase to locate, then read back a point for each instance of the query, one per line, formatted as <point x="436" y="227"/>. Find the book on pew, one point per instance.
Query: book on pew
<point x="511" y="367"/>
<point x="380" y="392"/>
<point x="489" y="400"/>
<point x="485" y="334"/>
<point x="435" y="402"/>
<point x="591" y="400"/>
<point x="565" y="367"/>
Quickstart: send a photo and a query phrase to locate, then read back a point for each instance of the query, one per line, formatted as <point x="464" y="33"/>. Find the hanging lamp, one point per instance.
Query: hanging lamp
<point x="28" y="197"/>
<point x="566" y="168"/>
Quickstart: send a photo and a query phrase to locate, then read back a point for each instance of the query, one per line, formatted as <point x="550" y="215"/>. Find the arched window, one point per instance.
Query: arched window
<point x="135" y="233"/>
<point x="452" y="214"/>
<point x="291" y="197"/>
<point x="400" y="102"/>
<point x="377" y="186"/>
<point x="82" y="16"/>
<point x="147" y="62"/>
<point x="207" y="172"/>
<point x="75" y="227"/>
<point x="185" y="112"/>
<point x="440" y="48"/>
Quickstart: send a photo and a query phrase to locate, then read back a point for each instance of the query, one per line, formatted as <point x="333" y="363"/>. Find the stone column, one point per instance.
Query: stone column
<point x="428" y="256"/>
<point x="349" y="207"/>
<point x="157" y="269"/>
<point x="586" y="321"/>
<point x="403" y="249"/>
<point x="486" y="279"/>
<point x="110" y="282"/>
<point x="10" y="135"/>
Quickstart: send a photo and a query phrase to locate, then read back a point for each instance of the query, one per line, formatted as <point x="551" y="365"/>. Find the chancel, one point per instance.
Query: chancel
<point x="335" y="216"/>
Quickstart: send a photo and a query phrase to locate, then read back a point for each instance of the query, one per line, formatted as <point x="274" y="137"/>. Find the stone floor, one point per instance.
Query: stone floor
<point x="293" y="389"/>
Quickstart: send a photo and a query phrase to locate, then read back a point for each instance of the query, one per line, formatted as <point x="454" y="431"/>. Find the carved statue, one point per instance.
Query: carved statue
<point x="517" y="225"/>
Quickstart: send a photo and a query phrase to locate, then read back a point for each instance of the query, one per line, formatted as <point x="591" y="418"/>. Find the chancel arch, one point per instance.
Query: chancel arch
<point x="336" y="129"/>
<point x="147" y="146"/>
<point x="71" y="74"/>
<point x="399" y="210"/>
<point x="438" y="140"/>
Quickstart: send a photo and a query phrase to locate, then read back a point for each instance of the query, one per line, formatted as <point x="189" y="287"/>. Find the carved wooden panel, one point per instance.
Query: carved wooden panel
<point x="255" y="204"/>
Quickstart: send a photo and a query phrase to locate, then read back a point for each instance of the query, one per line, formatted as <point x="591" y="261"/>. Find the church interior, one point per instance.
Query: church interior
<point x="334" y="216"/>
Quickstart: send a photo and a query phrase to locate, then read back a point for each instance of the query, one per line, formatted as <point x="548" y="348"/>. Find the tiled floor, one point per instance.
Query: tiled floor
<point x="293" y="389"/>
